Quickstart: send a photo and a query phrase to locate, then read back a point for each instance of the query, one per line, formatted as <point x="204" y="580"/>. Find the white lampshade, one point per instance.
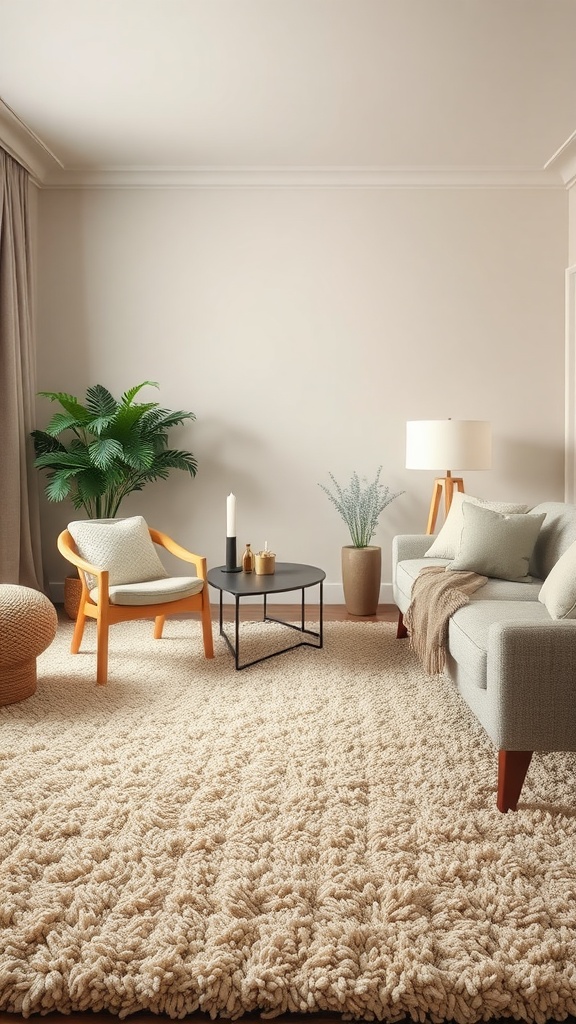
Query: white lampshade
<point x="448" y="444"/>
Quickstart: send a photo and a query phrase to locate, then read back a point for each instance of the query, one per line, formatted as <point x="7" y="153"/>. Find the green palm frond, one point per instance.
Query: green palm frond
<point x="75" y="459"/>
<point x="129" y="396"/>
<point x="104" y="451"/>
<point x="100" y="402"/>
<point x="60" y="484"/>
<point x="102" y="407"/>
<point x="138" y="454"/>
<point x="45" y="443"/>
<point x="65" y="421"/>
<point x="169" y="419"/>
<point x="161" y="420"/>
<point x="68" y="402"/>
<point x="114" y="448"/>
<point x="92" y="484"/>
<point x="172" y="459"/>
<point x="128" y="417"/>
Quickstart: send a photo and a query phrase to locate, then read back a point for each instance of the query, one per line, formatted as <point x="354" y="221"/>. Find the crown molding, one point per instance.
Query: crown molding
<point x="48" y="172"/>
<point x="298" y="177"/>
<point x="563" y="162"/>
<point x="22" y="144"/>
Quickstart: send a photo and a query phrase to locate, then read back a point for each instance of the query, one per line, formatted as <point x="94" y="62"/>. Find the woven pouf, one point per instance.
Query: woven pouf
<point x="28" y="623"/>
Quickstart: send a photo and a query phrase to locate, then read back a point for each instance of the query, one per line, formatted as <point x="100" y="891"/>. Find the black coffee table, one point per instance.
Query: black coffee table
<point x="288" y="576"/>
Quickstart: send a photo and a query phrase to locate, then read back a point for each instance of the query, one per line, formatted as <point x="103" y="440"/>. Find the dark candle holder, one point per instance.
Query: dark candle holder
<point x="231" y="560"/>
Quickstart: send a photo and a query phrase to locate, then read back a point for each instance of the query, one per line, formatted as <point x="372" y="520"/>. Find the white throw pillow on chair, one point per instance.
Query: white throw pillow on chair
<point x="122" y="546"/>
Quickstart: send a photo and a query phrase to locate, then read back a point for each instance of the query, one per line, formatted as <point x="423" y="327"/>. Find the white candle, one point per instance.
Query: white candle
<point x="231" y="516"/>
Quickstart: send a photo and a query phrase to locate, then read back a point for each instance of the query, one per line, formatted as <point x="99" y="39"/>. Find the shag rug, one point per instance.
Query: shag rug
<point x="316" y="833"/>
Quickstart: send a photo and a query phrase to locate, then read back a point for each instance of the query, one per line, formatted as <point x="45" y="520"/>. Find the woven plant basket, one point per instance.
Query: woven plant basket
<point x="72" y="594"/>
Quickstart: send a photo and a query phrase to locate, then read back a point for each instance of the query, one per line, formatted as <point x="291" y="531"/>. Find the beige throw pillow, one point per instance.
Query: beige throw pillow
<point x="447" y="543"/>
<point x="497" y="545"/>
<point x="558" y="592"/>
<point x="123" y="546"/>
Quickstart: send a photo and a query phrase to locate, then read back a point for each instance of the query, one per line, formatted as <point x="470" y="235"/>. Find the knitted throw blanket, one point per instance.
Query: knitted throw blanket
<point x="437" y="593"/>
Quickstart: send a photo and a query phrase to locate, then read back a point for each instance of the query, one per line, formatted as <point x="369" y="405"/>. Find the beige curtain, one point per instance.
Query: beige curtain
<point x="20" y="553"/>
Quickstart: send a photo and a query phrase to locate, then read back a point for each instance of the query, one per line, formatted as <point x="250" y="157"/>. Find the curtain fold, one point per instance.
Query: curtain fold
<point x="20" y="547"/>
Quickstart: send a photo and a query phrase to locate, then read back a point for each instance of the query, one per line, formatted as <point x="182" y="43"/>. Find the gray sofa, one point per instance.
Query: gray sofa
<point x="512" y="663"/>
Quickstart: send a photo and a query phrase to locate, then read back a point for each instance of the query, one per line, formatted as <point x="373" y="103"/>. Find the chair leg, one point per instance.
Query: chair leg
<point x="78" y="632"/>
<point x="102" y="649"/>
<point x="159" y="626"/>
<point x="401" y="631"/>
<point x="207" y="625"/>
<point x="512" y="768"/>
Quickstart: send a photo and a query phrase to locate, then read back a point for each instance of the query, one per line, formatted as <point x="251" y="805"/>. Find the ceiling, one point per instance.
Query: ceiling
<point x="396" y="85"/>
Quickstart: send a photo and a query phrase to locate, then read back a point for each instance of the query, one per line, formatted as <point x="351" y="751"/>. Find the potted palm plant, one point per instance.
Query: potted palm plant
<point x="360" y="505"/>
<point x="98" y="451"/>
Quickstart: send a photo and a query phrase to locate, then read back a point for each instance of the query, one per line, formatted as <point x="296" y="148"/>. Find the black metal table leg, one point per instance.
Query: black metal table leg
<point x="237" y="635"/>
<point x="287" y="577"/>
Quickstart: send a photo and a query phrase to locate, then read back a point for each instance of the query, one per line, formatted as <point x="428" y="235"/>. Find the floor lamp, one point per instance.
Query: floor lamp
<point x="460" y="444"/>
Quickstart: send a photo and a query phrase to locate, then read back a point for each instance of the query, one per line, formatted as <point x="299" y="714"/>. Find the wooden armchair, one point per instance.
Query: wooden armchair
<point x="113" y="601"/>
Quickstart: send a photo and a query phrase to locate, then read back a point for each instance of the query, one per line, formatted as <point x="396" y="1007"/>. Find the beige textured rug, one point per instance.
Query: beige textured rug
<point x="318" y="832"/>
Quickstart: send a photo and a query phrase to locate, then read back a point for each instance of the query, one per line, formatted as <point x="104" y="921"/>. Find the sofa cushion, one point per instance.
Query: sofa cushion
<point x="469" y="627"/>
<point x="508" y="590"/>
<point x="447" y="543"/>
<point x="557" y="533"/>
<point x="496" y="545"/>
<point x="407" y="571"/>
<point x="493" y="590"/>
<point x="558" y="592"/>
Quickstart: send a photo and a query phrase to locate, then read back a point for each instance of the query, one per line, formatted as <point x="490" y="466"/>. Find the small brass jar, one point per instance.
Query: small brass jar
<point x="265" y="563"/>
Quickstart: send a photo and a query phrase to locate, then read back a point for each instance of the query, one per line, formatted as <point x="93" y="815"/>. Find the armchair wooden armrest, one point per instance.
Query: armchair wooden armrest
<point x="165" y="541"/>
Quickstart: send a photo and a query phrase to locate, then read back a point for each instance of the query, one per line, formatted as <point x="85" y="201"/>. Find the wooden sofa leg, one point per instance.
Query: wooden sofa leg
<point x="401" y="631"/>
<point x="512" y="768"/>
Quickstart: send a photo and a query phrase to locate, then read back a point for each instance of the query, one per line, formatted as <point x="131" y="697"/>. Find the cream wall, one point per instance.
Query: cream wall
<point x="304" y="327"/>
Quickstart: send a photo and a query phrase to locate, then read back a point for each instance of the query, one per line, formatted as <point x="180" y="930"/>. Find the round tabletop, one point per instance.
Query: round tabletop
<point x="288" y="576"/>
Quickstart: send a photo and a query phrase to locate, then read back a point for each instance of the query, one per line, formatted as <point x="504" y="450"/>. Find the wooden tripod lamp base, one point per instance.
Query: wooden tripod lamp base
<point x="447" y="484"/>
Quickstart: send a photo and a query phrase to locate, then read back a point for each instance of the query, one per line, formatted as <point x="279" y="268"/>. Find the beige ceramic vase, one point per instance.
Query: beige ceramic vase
<point x="361" y="575"/>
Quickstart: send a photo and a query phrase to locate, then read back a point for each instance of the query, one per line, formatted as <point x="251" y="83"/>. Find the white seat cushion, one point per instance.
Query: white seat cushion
<point x="171" y="588"/>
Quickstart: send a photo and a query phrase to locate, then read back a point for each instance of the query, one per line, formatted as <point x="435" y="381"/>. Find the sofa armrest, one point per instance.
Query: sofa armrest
<point x="410" y="545"/>
<point x="531" y="685"/>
